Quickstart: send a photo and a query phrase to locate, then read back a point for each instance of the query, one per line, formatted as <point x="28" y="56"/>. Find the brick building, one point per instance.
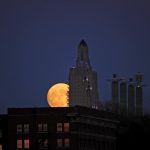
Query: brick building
<point x="73" y="128"/>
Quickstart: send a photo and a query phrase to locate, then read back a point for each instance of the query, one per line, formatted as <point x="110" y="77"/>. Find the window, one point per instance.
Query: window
<point x="1" y="148"/>
<point x="67" y="142"/>
<point x="45" y="127"/>
<point x="66" y="127"/>
<point x="42" y="127"/>
<point x="42" y="143"/>
<point x="19" y="128"/>
<point x="45" y="143"/>
<point x="59" y="127"/>
<point x="19" y="144"/>
<point x="59" y="143"/>
<point x="27" y="144"/>
<point x="26" y="128"/>
<point x="22" y="128"/>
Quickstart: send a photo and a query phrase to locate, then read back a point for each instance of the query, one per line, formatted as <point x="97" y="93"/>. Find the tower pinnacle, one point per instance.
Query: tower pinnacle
<point x="83" y="43"/>
<point x="82" y="56"/>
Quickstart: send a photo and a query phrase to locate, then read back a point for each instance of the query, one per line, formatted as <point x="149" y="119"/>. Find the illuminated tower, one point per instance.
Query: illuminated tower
<point x="139" y="95"/>
<point x="131" y="98"/>
<point x="123" y="98"/>
<point x="83" y="89"/>
<point x="115" y="94"/>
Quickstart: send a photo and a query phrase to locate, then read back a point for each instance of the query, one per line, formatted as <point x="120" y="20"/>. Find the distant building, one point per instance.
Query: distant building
<point x="127" y="96"/>
<point x="131" y="98"/>
<point x="139" y="94"/>
<point x="123" y="97"/>
<point x="83" y="81"/>
<point x="115" y="94"/>
<point x="72" y="128"/>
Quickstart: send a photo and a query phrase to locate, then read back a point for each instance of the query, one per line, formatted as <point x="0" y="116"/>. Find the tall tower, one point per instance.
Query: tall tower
<point x="83" y="89"/>
<point x="115" y="94"/>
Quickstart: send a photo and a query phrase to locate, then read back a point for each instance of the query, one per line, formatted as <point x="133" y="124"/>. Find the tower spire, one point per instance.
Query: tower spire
<point x="82" y="56"/>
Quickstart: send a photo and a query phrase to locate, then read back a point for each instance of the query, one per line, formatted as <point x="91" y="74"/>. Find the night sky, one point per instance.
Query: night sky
<point x="39" y="39"/>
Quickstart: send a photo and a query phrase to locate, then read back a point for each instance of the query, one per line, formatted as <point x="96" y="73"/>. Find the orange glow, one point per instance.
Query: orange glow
<point x="57" y="95"/>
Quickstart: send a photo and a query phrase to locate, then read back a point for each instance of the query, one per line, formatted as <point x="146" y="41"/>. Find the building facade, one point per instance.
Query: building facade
<point x="3" y="132"/>
<point x="72" y="128"/>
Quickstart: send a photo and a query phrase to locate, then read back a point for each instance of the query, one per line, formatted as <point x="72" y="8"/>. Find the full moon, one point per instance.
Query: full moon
<point x="57" y="95"/>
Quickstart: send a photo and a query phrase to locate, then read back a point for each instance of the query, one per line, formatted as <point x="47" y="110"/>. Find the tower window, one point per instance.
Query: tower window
<point x="19" y="144"/>
<point x="85" y="78"/>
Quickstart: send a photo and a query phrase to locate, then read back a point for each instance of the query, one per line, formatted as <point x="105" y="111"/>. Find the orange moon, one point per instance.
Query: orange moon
<point x="57" y="95"/>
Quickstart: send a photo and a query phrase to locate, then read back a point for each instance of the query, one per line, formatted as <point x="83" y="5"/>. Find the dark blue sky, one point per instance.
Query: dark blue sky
<point x="39" y="39"/>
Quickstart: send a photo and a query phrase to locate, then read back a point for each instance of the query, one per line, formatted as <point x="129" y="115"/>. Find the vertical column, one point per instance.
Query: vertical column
<point x="115" y="94"/>
<point x="131" y="98"/>
<point x="139" y="95"/>
<point x="123" y="98"/>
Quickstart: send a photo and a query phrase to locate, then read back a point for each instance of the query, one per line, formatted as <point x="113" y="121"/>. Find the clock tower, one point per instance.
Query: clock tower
<point x="83" y="89"/>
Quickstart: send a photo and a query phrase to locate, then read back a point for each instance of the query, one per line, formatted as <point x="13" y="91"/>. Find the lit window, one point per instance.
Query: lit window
<point x="59" y="143"/>
<point x="42" y="143"/>
<point x="66" y="127"/>
<point x="19" y="127"/>
<point x="26" y="128"/>
<point x="66" y="142"/>
<point x="45" y="143"/>
<point x="27" y="144"/>
<point x="1" y="148"/>
<point x="19" y="144"/>
<point x="40" y="127"/>
<point x="59" y="127"/>
<point x="45" y="127"/>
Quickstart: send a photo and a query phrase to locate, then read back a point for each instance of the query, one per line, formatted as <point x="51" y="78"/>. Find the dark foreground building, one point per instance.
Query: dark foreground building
<point x="72" y="128"/>
<point x="133" y="133"/>
<point x="3" y="132"/>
